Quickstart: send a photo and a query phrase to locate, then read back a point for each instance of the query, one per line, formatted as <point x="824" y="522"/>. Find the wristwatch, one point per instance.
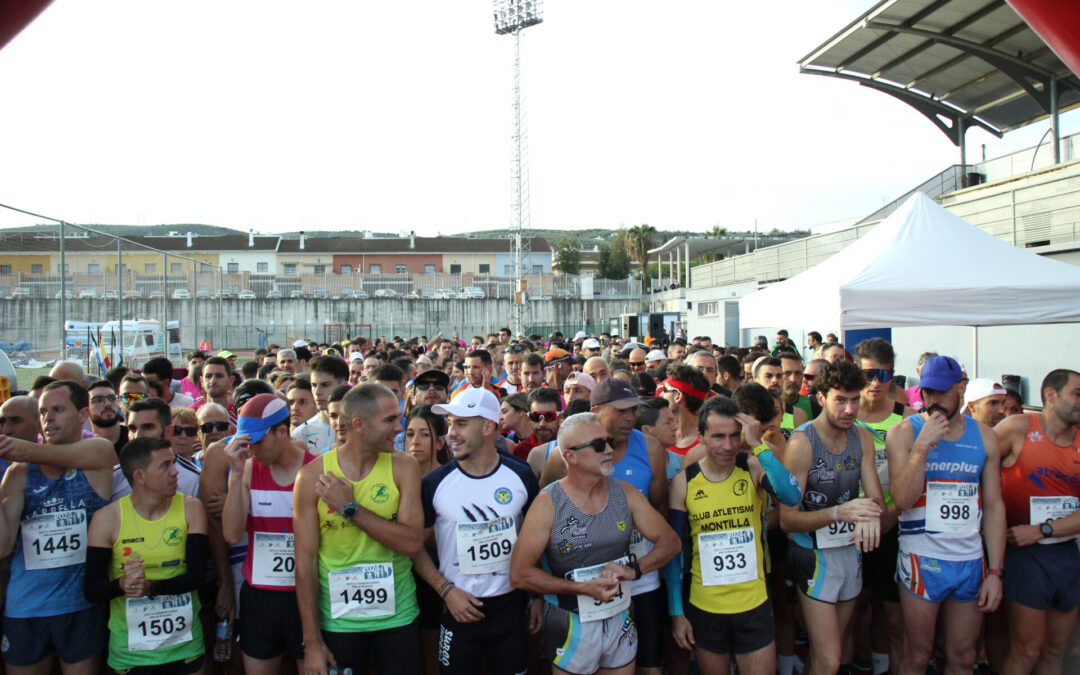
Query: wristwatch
<point x="349" y="510"/>
<point x="637" y="569"/>
<point x="1047" y="529"/>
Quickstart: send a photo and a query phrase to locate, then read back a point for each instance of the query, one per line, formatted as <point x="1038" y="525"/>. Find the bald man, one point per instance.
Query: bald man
<point x="19" y="419"/>
<point x="597" y="368"/>
<point x="68" y="370"/>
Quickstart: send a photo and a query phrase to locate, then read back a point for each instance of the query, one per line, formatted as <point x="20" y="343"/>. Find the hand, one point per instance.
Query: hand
<point x="224" y="604"/>
<point x="751" y="429"/>
<point x="859" y="510"/>
<point x="317" y="657"/>
<point x="215" y="504"/>
<point x="614" y="570"/>
<point x="867" y="535"/>
<point x="535" y="614"/>
<point x="238" y="450"/>
<point x="934" y="430"/>
<point x="683" y="632"/>
<point x="335" y="491"/>
<point x="8" y="449"/>
<point x="990" y="594"/>
<point x="1023" y="535"/>
<point x="600" y="588"/>
<point x="463" y="606"/>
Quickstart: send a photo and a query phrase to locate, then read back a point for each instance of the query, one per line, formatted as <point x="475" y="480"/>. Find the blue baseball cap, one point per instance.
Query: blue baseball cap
<point x="940" y="373"/>
<point x="258" y="415"/>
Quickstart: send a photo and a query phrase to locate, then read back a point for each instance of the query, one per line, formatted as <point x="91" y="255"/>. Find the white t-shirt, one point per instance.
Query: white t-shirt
<point x="188" y="480"/>
<point x="181" y="401"/>
<point x="317" y="434"/>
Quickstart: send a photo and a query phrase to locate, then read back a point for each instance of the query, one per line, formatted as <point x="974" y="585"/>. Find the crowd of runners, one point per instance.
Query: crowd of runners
<point x="539" y="504"/>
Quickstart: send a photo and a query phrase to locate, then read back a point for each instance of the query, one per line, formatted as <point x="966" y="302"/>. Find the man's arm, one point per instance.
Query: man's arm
<point x="531" y="542"/>
<point x="306" y="542"/>
<point x="794" y="520"/>
<point x="554" y="470"/>
<point x="212" y="482"/>
<point x="658" y="487"/>
<point x="1010" y="434"/>
<point x="993" y="520"/>
<point x="237" y="503"/>
<point x="907" y="459"/>
<point x="12" y="502"/>
<point x="88" y="454"/>
<point x="654" y="527"/>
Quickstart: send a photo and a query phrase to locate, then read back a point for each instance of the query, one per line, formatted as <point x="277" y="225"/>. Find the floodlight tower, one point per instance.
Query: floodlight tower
<point x="513" y="16"/>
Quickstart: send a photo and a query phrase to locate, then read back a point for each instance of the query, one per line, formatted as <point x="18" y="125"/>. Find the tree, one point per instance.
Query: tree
<point x="568" y="254"/>
<point x="612" y="261"/>
<point x="639" y="239"/>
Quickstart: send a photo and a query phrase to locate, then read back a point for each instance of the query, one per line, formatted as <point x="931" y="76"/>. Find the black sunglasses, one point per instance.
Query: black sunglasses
<point x="515" y="349"/>
<point x="882" y="375"/>
<point x="597" y="444"/>
<point x="188" y="431"/>
<point x="423" y="386"/>
<point x="207" y="427"/>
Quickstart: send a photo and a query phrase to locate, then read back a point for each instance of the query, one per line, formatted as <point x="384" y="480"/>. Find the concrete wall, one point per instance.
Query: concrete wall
<point x="239" y="323"/>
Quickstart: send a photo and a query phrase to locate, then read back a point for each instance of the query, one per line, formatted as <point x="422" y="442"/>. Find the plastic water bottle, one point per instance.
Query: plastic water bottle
<point x="223" y="645"/>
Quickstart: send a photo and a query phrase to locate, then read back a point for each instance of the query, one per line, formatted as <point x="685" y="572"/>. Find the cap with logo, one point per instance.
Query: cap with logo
<point x="556" y="356"/>
<point x="940" y="373"/>
<point x="615" y="392"/>
<point x="471" y="402"/>
<point x="258" y="415"/>
<point x="580" y="379"/>
<point x="980" y="388"/>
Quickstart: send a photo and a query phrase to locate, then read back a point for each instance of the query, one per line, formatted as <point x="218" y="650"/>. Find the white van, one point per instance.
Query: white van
<point x="142" y="341"/>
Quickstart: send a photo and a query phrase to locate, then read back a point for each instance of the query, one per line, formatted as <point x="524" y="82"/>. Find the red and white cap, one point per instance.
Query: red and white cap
<point x="258" y="415"/>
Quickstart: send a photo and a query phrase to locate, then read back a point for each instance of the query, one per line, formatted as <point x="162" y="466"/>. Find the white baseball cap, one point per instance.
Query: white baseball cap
<point x="580" y="378"/>
<point x="654" y="356"/>
<point x="982" y="387"/>
<point x="591" y="343"/>
<point x="299" y="343"/>
<point x="472" y="402"/>
<point x="580" y="335"/>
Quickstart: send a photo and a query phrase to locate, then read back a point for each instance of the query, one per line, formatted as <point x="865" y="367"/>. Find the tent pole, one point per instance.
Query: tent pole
<point x="975" y="352"/>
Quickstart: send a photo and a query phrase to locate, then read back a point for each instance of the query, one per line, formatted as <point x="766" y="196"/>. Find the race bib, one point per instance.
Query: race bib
<point x="594" y="610"/>
<point x="161" y="621"/>
<point x="1045" y="509"/>
<point x="834" y="535"/>
<point x="274" y="560"/>
<point x="52" y="540"/>
<point x="486" y="546"/>
<point x="363" y="591"/>
<point x="952" y="507"/>
<point x="728" y="557"/>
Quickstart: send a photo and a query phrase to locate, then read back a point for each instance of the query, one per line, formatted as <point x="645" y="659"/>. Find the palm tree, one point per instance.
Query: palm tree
<point x="639" y="239"/>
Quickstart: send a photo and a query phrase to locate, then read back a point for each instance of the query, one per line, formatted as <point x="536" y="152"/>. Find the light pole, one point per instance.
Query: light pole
<point x="513" y="16"/>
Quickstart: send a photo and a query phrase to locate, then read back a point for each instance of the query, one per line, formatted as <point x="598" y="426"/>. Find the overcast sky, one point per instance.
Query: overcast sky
<point x="342" y="114"/>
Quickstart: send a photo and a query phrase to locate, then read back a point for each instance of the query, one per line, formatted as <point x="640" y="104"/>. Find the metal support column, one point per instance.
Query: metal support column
<point x="687" y="251"/>
<point x="961" y="133"/>
<point x="165" y="303"/>
<point x="63" y="293"/>
<point x="195" y="308"/>
<point x="120" y="296"/>
<point x="1054" y="128"/>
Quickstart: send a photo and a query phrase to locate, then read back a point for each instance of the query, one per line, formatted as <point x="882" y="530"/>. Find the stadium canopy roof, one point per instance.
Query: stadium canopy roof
<point x="961" y="63"/>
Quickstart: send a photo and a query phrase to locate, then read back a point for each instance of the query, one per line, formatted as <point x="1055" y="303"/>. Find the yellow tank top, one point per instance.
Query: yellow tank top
<point x="727" y="527"/>
<point x="153" y="631"/>
<point x="367" y="598"/>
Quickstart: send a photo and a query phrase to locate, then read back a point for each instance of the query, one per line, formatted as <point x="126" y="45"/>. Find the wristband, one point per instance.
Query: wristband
<point x="995" y="572"/>
<point x="836" y="512"/>
<point x="445" y="590"/>
<point x="762" y="447"/>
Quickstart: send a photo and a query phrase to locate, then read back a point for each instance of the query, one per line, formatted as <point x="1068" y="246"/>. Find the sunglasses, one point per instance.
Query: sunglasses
<point x="207" y="427"/>
<point x="546" y="415"/>
<point x="598" y="444"/>
<point x="882" y="375"/>
<point x="637" y="364"/>
<point x="98" y="400"/>
<point x="187" y="431"/>
<point x="809" y="378"/>
<point x="515" y="349"/>
<point x="424" y="386"/>
<point x="132" y="396"/>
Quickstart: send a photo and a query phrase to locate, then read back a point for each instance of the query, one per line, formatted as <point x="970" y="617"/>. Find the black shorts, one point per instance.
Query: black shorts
<point x="72" y="637"/>
<point x="500" y="639"/>
<point x="879" y="567"/>
<point x="649" y="610"/>
<point x="396" y="650"/>
<point x="430" y="604"/>
<point x="739" y="633"/>
<point x="271" y="624"/>
<point x="181" y="667"/>
<point x="1039" y="576"/>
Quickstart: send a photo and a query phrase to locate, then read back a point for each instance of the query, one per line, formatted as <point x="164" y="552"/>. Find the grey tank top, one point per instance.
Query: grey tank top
<point x="579" y="539"/>
<point x="832" y="479"/>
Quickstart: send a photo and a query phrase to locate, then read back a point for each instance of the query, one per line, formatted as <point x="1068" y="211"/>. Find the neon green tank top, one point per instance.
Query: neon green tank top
<point x="363" y="585"/>
<point x="153" y="631"/>
<point x="881" y="459"/>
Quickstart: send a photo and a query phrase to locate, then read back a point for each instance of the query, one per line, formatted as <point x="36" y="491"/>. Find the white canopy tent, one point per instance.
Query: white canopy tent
<point x="921" y="266"/>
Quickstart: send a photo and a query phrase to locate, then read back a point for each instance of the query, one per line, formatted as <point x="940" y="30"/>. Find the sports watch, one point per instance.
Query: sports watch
<point x="349" y="510"/>
<point x="1047" y="529"/>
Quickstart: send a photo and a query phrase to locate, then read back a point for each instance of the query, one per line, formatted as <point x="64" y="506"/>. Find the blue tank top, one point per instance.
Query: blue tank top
<point x="636" y="470"/>
<point x="50" y="548"/>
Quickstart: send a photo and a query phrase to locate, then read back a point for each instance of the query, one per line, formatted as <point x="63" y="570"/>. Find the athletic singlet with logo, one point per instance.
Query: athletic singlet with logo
<point x="1042" y="470"/>
<point x="270" y="531"/>
<point x="579" y="539"/>
<point x="831" y="480"/>
<point x="50" y="548"/>
<point x="636" y="470"/>
<point x="877" y="431"/>
<point x="162" y="546"/>
<point x="472" y="517"/>
<point x="956" y="466"/>
<point x="733" y="507"/>
<point x="342" y="545"/>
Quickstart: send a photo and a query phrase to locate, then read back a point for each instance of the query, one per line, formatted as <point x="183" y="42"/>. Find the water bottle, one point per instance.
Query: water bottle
<point x="223" y="645"/>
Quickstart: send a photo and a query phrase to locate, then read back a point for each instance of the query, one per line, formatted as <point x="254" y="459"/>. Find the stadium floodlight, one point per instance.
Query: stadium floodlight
<point x="511" y="17"/>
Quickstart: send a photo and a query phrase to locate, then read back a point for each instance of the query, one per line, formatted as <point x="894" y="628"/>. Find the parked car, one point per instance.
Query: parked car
<point x="444" y="294"/>
<point x="471" y="293"/>
<point x="68" y="294"/>
<point x="20" y="292"/>
<point x="246" y="295"/>
<point x="181" y="294"/>
<point x="275" y="295"/>
<point x="412" y="295"/>
<point x="320" y="294"/>
<point x="111" y="294"/>
<point x="132" y="294"/>
<point x="386" y="293"/>
<point x="298" y="293"/>
<point x="203" y="295"/>
<point x="156" y="295"/>
<point x="360" y="295"/>
<point x="88" y="294"/>
<point x="227" y="295"/>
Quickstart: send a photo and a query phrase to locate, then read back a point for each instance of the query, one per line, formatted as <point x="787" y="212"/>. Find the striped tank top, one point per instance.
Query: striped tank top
<point x="270" y="559"/>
